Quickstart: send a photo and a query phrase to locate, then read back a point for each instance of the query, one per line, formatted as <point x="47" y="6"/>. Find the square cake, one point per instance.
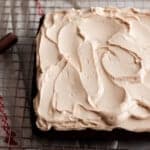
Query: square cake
<point x="93" y="70"/>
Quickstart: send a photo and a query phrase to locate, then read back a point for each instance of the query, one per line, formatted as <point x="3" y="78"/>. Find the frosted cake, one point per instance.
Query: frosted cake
<point x="93" y="70"/>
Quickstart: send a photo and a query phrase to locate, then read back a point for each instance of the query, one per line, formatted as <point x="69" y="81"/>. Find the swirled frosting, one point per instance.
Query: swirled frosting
<point x="93" y="70"/>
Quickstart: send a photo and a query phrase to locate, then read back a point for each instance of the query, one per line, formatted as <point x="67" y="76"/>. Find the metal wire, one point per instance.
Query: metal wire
<point x="21" y="17"/>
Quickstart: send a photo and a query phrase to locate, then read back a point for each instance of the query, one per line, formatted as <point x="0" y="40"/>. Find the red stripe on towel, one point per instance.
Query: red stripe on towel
<point x="40" y="10"/>
<point x="9" y="134"/>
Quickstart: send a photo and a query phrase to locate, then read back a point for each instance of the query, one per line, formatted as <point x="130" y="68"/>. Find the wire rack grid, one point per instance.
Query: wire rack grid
<point x="22" y="17"/>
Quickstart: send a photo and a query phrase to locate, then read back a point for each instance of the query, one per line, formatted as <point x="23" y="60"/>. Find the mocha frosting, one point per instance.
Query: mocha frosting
<point x="93" y="70"/>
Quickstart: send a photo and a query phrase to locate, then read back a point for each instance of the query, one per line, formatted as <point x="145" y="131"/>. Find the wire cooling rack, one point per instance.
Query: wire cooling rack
<point x="22" y="17"/>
